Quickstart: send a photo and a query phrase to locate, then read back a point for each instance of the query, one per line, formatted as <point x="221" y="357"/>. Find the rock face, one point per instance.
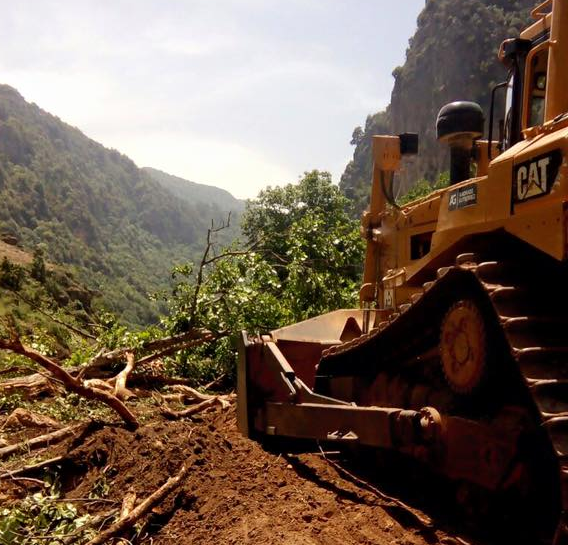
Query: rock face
<point x="452" y="56"/>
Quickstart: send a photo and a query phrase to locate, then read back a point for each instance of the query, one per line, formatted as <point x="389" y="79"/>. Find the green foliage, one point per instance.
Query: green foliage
<point x="323" y="268"/>
<point x="423" y="188"/>
<point x="40" y="310"/>
<point x="72" y="407"/>
<point x="43" y="518"/>
<point x="276" y="209"/>
<point x="305" y="232"/>
<point x="100" y="488"/>
<point x="307" y="260"/>
<point x="11" y="275"/>
<point x="92" y="209"/>
<point x="9" y="402"/>
<point x="38" y="270"/>
<point x="239" y="292"/>
<point x="64" y="408"/>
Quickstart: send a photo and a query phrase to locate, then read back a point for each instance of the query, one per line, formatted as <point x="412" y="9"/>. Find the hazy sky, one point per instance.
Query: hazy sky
<point x="234" y="93"/>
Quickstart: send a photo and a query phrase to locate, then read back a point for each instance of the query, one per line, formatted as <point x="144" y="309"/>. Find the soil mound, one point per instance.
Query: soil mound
<point x="236" y="492"/>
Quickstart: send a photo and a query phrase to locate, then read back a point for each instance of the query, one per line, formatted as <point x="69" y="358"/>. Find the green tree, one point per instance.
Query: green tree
<point x="423" y="188"/>
<point x="303" y="257"/>
<point x="38" y="270"/>
<point x="306" y="233"/>
<point x="11" y="275"/>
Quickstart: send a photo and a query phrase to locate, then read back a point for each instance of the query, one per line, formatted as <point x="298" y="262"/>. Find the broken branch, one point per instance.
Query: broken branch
<point x="138" y="512"/>
<point x="70" y="382"/>
<point x="40" y="441"/>
<point x="128" y="503"/>
<point x="32" y="467"/>
<point x="120" y="390"/>
<point x="194" y="409"/>
<point x="181" y="341"/>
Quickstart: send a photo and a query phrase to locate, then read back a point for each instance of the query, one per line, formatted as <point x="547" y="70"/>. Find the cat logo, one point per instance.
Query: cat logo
<point x="535" y="178"/>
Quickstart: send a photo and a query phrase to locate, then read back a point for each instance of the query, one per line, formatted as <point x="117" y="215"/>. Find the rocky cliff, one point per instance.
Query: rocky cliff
<point x="452" y="56"/>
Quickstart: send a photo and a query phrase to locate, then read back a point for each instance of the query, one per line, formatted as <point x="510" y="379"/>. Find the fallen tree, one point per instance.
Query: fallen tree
<point x="68" y="381"/>
<point x="110" y="390"/>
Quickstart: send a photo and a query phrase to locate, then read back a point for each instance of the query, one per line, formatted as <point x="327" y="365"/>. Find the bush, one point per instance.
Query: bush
<point x="11" y="275"/>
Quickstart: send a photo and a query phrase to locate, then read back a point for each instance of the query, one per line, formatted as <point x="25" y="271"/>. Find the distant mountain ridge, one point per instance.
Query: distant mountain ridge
<point x="93" y="208"/>
<point x="193" y="192"/>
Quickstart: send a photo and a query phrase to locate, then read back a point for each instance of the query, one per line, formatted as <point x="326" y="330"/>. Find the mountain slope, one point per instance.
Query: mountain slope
<point x="452" y="56"/>
<point x="92" y="207"/>
<point x="196" y="194"/>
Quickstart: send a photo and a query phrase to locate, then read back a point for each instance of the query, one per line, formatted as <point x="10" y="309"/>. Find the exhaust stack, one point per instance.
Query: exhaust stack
<point x="459" y="124"/>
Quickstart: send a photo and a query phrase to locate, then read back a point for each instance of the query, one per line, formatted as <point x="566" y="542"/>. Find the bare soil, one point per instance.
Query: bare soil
<point x="236" y="493"/>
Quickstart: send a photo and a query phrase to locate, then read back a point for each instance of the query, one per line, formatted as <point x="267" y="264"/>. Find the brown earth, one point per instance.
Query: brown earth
<point x="236" y="492"/>
<point x="15" y="254"/>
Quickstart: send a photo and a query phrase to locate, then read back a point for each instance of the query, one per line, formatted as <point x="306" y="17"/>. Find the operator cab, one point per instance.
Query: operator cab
<point x="527" y="60"/>
<point x="537" y="92"/>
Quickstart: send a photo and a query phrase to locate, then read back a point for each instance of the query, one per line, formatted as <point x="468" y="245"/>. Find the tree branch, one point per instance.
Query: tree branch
<point x="40" y="441"/>
<point x="71" y="383"/>
<point x="138" y="512"/>
<point x="176" y="348"/>
<point x="105" y="358"/>
<point x="120" y="390"/>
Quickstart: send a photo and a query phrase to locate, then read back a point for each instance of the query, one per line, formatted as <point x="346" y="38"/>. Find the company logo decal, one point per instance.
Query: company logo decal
<point x="535" y="178"/>
<point x="462" y="197"/>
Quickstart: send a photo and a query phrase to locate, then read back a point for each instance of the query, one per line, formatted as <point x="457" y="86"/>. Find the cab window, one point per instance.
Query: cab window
<point x="537" y="88"/>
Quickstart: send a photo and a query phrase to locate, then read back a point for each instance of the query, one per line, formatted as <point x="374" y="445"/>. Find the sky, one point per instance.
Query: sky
<point x="234" y="93"/>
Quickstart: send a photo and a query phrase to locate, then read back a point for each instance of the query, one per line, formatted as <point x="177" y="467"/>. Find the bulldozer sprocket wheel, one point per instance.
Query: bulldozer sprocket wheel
<point x="463" y="346"/>
<point x="521" y="357"/>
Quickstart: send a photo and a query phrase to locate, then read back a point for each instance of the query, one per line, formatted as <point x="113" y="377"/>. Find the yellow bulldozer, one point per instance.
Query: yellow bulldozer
<point x="458" y="355"/>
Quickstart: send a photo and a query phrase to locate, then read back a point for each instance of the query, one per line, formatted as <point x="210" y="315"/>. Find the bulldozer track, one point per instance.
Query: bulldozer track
<point x="532" y="324"/>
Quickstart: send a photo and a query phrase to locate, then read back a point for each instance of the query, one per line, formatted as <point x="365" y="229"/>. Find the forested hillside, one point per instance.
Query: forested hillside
<point x="195" y="193"/>
<point x="92" y="208"/>
<point x="452" y="56"/>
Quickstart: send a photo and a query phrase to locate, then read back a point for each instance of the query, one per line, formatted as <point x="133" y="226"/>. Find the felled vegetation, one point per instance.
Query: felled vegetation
<point x="302" y="256"/>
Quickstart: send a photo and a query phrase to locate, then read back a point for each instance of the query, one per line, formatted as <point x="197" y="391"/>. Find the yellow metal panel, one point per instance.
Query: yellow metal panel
<point x="498" y="202"/>
<point x="541" y="227"/>
<point x="537" y="28"/>
<point x="386" y="152"/>
<point x="450" y="219"/>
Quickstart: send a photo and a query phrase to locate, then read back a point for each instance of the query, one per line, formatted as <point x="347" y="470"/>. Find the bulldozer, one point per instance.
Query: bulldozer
<point x="458" y="355"/>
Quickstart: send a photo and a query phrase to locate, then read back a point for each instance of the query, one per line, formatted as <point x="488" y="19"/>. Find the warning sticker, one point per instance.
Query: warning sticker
<point x="462" y="197"/>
